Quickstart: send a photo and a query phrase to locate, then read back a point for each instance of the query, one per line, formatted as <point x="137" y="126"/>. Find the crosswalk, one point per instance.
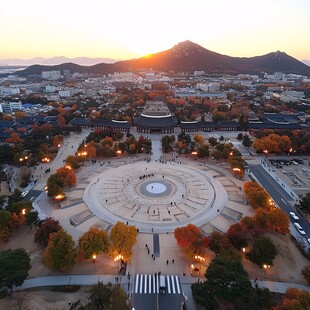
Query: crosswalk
<point x="149" y="284"/>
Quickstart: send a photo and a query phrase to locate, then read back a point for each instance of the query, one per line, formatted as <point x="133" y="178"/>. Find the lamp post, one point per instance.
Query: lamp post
<point x="94" y="258"/>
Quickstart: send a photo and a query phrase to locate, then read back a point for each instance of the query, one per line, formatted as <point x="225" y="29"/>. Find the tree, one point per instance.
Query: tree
<point x="227" y="280"/>
<point x="240" y="136"/>
<point x="118" y="299"/>
<point x="218" y="242"/>
<point x="203" y="151"/>
<point x="14" y="138"/>
<point x="306" y="273"/>
<point x="295" y="299"/>
<point x="67" y="175"/>
<point x="190" y="238"/>
<point x="187" y="235"/>
<point x="279" y="220"/>
<point x="58" y="140"/>
<point x="32" y="218"/>
<point x="5" y="225"/>
<point x="213" y="141"/>
<point x="256" y="195"/>
<point x="104" y="297"/>
<point x="122" y="238"/>
<point x="60" y="252"/>
<point x="237" y="236"/>
<point x="304" y="203"/>
<point x="263" y="251"/>
<point x="17" y="207"/>
<point x="247" y="142"/>
<point x="94" y="241"/>
<point x="202" y="296"/>
<point x="5" y="218"/>
<point x="198" y="139"/>
<point x="49" y="226"/>
<point x="14" y="267"/>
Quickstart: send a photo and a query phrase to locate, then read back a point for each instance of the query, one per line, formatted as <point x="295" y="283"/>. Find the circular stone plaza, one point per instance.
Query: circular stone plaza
<point x="155" y="197"/>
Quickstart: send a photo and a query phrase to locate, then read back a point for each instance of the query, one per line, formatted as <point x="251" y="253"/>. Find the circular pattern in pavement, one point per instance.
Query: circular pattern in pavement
<point x="155" y="195"/>
<point x="156" y="188"/>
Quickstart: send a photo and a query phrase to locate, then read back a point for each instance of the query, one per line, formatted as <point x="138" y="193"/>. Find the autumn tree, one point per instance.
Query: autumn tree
<point x="122" y="238"/>
<point x="67" y="175"/>
<point x="50" y="225"/>
<point x="295" y="299"/>
<point x="198" y="139"/>
<point x="237" y="236"/>
<point x="263" y="251"/>
<point x="14" y="267"/>
<point x="60" y="252"/>
<point x="94" y="241"/>
<point x="186" y="235"/>
<point x="57" y="140"/>
<point x="14" y="138"/>
<point x="256" y="195"/>
<point x="190" y="238"/>
<point x="73" y="161"/>
<point x="279" y="220"/>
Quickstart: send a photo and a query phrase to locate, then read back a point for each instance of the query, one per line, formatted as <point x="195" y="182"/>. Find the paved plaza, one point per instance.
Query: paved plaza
<point x="155" y="197"/>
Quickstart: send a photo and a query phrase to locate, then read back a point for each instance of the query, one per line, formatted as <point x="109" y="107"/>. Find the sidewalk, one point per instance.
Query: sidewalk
<point x="88" y="280"/>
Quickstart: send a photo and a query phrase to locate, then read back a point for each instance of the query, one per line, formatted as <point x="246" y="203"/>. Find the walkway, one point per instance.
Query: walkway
<point x="88" y="280"/>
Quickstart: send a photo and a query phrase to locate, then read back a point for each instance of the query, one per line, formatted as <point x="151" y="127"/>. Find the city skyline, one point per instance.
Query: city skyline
<point x="125" y="30"/>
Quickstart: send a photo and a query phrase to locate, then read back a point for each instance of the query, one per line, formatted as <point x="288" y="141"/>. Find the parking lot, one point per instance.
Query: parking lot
<point x="293" y="172"/>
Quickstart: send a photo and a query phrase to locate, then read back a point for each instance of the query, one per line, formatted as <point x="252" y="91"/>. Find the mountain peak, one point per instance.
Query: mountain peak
<point x="186" y="48"/>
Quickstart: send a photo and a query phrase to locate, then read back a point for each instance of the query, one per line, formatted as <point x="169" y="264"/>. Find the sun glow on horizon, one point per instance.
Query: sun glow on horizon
<point x="126" y="29"/>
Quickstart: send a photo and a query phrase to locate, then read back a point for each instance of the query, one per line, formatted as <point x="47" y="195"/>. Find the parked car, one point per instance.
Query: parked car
<point x="294" y="216"/>
<point x="299" y="228"/>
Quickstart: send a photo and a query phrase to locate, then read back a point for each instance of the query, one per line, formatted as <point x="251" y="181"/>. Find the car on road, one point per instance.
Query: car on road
<point x="299" y="228"/>
<point x="294" y="216"/>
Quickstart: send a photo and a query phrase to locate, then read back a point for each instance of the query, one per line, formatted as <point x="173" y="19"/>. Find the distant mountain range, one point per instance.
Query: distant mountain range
<point x="84" y="61"/>
<point x="307" y="62"/>
<point x="189" y="57"/>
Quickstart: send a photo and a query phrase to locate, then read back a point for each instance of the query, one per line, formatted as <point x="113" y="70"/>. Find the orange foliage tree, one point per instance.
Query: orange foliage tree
<point x="58" y="140"/>
<point x="295" y="299"/>
<point x="190" y="238"/>
<point x="67" y="175"/>
<point x="256" y="195"/>
<point x="14" y="138"/>
<point x="272" y="143"/>
<point x="279" y="220"/>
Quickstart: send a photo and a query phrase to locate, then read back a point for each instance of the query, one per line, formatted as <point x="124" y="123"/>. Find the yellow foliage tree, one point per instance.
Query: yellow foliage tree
<point x="122" y="239"/>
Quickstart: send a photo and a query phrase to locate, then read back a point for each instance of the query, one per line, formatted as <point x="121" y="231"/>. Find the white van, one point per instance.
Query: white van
<point x="162" y="284"/>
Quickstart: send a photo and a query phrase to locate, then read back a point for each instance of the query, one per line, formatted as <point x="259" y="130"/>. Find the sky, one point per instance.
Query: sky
<point x="125" y="29"/>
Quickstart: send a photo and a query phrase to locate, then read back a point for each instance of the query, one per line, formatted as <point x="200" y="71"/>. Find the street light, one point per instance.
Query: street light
<point x="24" y="211"/>
<point x="94" y="258"/>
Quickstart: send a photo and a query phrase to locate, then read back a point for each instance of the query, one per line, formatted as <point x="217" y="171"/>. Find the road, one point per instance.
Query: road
<point x="278" y="194"/>
<point x="146" y="293"/>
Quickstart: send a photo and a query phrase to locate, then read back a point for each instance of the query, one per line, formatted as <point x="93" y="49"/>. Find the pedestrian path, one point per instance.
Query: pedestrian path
<point x="149" y="284"/>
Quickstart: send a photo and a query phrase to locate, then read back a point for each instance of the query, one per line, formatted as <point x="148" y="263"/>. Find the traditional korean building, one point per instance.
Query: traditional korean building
<point x="155" y="118"/>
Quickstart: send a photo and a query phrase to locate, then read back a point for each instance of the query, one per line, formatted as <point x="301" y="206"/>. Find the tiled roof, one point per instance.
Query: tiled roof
<point x="80" y="121"/>
<point x="155" y="122"/>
